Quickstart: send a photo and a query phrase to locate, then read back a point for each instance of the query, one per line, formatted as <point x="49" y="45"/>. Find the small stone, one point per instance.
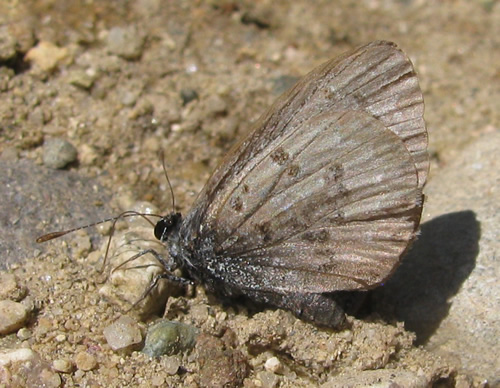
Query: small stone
<point x="273" y="365"/>
<point x="215" y="105"/>
<point x="142" y="108"/>
<point x="85" y="361"/>
<point x="49" y="379"/>
<point x="8" y="356"/>
<point x="168" y="337"/>
<point x="58" y="153"/>
<point x="88" y="156"/>
<point x="124" y="334"/>
<point x="158" y="381"/>
<point x="45" y="325"/>
<point x="200" y="312"/>
<point x="129" y="97"/>
<point x="46" y="56"/>
<point x="11" y="289"/>
<point x="171" y="364"/>
<point x="125" y="42"/>
<point x="23" y="334"/>
<point x="188" y="95"/>
<point x="39" y="116"/>
<point x="13" y="316"/>
<point x="62" y="365"/>
<point x="220" y="364"/>
<point x="8" y="42"/>
<point x="81" y="79"/>
<point x="268" y="379"/>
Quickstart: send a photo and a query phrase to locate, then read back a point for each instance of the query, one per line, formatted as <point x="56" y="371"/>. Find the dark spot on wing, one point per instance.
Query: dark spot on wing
<point x="329" y="267"/>
<point x="333" y="173"/>
<point x="279" y="156"/>
<point x="264" y="229"/>
<point x="327" y="93"/>
<point x="336" y="195"/>
<point x="319" y="236"/>
<point x="342" y="191"/>
<point x="293" y="170"/>
<point x="236" y="204"/>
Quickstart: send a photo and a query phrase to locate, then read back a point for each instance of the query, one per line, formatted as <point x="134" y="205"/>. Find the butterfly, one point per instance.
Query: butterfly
<point x="323" y="195"/>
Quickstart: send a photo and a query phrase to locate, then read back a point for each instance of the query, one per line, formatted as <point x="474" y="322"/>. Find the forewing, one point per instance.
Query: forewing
<point x="377" y="78"/>
<point x="294" y="174"/>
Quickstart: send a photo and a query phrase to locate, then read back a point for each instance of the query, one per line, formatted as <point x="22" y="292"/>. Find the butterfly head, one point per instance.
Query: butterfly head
<point x="167" y="225"/>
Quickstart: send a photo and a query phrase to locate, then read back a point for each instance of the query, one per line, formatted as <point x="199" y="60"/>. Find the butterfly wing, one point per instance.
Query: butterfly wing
<point x="320" y="197"/>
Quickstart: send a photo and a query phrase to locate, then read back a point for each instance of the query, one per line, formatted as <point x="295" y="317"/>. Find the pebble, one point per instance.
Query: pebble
<point x="215" y="105"/>
<point x="47" y="56"/>
<point x="11" y="289"/>
<point x="273" y="365"/>
<point x="169" y="337"/>
<point x="85" y="361"/>
<point x="129" y="280"/>
<point x="129" y="97"/>
<point x="125" y="42"/>
<point x="58" y="153"/>
<point x="39" y="116"/>
<point x="124" y="334"/>
<point x="8" y="48"/>
<point x="13" y="314"/>
<point x="171" y="364"/>
<point x="200" y="312"/>
<point x="82" y="79"/>
<point x="188" y="95"/>
<point x="23" y="334"/>
<point x="8" y="356"/>
<point x="88" y="155"/>
<point x="268" y="379"/>
<point x="158" y="381"/>
<point x="221" y="365"/>
<point x="49" y="379"/>
<point x="62" y="365"/>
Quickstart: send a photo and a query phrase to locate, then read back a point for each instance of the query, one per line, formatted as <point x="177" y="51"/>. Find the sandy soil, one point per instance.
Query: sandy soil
<point x="121" y="81"/>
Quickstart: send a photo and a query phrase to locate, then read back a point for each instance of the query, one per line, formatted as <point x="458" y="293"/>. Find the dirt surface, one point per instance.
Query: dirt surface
<point x="121" y="81"/>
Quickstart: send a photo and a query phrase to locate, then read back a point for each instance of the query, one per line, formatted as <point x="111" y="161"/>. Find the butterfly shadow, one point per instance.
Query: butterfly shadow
<point x="431" y="273"/>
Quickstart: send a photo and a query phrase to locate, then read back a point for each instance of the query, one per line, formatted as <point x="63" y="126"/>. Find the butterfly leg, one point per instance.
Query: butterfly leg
<point x="154" y="283"/>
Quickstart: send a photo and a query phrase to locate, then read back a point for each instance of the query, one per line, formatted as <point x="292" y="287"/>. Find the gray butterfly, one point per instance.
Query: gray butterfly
<point x="324" y="195"/>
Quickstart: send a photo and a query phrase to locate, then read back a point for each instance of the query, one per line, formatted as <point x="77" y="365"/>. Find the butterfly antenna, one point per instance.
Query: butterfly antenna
<point x="125" y="214"/>
<point x="128" y="213"/>
<point x="162" y="157"/>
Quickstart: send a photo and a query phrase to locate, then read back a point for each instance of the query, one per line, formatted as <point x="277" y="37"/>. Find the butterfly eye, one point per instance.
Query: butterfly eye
<point x="162" y="228"/>
<point x="166" y="225"/>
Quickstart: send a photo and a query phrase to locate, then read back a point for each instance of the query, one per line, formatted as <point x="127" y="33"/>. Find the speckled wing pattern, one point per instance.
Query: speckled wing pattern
<point x="325" y="194"/>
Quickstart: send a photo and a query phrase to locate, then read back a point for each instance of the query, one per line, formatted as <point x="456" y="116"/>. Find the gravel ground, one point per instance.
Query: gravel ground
<point x="90" y="92"/>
